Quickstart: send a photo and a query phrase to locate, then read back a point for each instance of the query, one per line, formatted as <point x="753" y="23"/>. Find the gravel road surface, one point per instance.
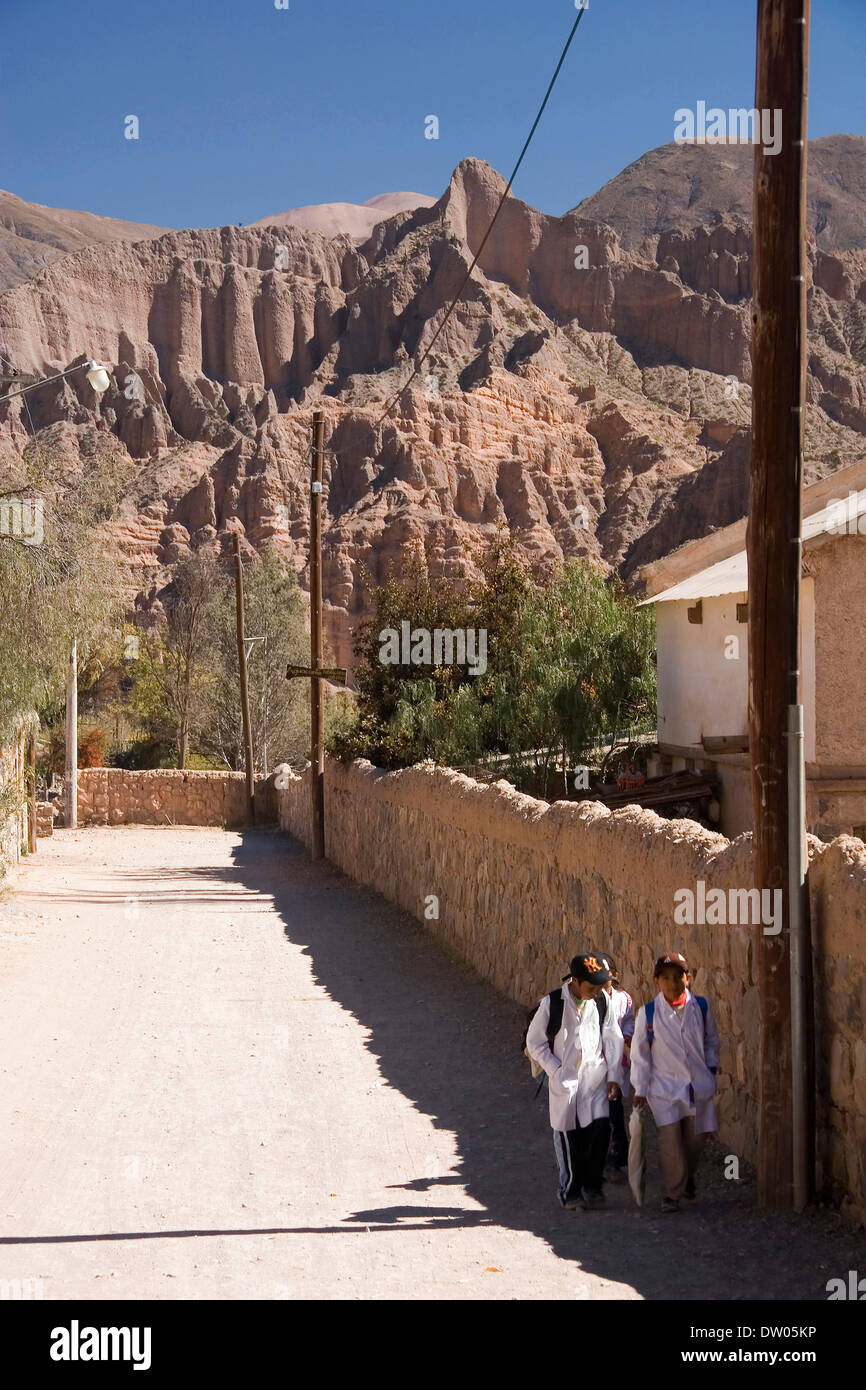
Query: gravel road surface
<point x="231" y="1073"/>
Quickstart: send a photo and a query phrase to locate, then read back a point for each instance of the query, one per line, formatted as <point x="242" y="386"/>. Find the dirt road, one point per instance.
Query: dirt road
<point x="229" y="1073"/>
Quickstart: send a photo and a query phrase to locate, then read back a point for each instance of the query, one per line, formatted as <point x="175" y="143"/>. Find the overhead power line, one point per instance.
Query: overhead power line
<point x="562" y="57"/>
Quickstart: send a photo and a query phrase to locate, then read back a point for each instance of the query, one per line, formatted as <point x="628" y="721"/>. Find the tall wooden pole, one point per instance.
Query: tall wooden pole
<point x="245" y="693"/>
<point x="774" y="555"/>
<point x="31" y="791"/>
<point x="317" y="770"/>
<point x="70" y="777"/>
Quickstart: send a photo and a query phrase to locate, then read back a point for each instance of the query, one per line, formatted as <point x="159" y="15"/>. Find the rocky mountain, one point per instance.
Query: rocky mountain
<point x="32" y="236"/>
<point x="594" y="399"/>
<point x="689" y="186"/>
<point x="356" y="220"/>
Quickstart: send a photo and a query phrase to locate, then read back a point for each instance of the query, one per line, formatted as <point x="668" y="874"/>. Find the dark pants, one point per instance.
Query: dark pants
<point x="618" y="1136"/>
<point x="680" y="1149"/>
<point x="580" y="1155"/>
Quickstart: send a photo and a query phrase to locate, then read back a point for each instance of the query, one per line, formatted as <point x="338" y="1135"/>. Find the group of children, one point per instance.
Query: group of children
<point x="596" y="1051"/>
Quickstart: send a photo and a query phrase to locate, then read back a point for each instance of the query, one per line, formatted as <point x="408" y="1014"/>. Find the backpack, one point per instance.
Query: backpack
<point x="554" y="1023"/>
<point x="650" y="1009"/>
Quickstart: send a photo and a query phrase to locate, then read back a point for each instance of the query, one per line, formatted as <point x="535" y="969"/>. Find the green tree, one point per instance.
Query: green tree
<point x="569" y="660"/>
<point x="585" y="664"/>
<point x="405" y="711"/>
<point x="174" y="673"/>
<point x="274" y="611"/>
<point x="66" y="582"/>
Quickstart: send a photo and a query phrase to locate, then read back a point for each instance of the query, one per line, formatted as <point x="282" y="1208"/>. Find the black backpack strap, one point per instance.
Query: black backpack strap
<point x="554" y="1023"/>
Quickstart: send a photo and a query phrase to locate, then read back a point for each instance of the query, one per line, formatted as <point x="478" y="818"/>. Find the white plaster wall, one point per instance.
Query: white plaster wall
<point x="704" y="692"/>
<point x="701" y="691"/>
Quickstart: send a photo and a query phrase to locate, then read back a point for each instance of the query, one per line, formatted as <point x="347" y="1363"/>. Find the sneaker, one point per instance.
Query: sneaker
<point x="574" y="1204"/>
<point x="669" y="1204"/>
<point x="593" y="1200"/>
<point x="614" y="1173"/>
<point x="690" y="1190"/>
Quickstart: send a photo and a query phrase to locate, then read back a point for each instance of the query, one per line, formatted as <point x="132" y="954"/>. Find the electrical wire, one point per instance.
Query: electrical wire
<point x="535" y="124"/>
<point x="505" y="194"/>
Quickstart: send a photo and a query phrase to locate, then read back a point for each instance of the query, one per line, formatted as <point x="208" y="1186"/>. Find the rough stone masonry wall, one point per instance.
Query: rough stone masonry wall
<point x="522" y="885"/>
<point x="167" y="796"/>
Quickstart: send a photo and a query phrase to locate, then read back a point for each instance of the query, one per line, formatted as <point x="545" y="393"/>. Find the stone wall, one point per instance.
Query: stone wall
<point x="837" y="892"/>
<point x="519" y="886"/>
<point x="166" y="796"/>
<point x="837" y="565"/>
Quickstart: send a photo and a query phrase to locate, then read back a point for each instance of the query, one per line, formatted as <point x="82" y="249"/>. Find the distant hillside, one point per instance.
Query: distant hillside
<point x="599" y="411"/>
<point x="356" y="220"/>
<point x="32" y="236"/>
<point x="689" y="186"/>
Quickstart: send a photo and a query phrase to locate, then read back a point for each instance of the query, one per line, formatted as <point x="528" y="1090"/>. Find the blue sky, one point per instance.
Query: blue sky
<point x="246" y="110"/>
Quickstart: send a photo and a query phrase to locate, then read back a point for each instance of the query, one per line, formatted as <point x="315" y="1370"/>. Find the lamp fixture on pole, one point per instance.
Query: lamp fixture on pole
<point x="97" y="376"/>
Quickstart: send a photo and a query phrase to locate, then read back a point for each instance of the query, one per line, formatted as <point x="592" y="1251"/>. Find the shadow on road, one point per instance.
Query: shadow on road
<point x="451" y="1044"/>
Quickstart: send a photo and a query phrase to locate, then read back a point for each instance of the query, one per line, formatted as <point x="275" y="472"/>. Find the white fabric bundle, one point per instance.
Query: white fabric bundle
<point x="637" y="1154"/>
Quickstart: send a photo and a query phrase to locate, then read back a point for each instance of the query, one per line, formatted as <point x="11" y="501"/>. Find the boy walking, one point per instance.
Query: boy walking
<point x="575" y="1038"/>
<point x="674" y="1061"/>
<point x="621" y="1003"/>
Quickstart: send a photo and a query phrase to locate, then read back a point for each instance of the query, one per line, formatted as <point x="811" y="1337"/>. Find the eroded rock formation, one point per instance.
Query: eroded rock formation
<point x="593" y="399"/>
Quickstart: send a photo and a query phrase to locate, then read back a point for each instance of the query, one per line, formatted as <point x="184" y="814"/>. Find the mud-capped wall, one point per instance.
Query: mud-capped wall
<point x="515" y="887"/>
<point x="167" y="796"/>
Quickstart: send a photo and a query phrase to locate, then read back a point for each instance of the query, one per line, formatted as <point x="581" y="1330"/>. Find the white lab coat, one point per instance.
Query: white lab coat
<point x="680" y="1057"/>
<point x="624" y="1010"/>
<point x="583" y="1060"/>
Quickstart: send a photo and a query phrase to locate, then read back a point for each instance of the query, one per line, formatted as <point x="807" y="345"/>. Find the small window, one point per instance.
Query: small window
<point x="743" y="612"/>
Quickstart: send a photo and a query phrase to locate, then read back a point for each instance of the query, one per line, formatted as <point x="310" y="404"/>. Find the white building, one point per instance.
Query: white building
<point x="700" y="593"/>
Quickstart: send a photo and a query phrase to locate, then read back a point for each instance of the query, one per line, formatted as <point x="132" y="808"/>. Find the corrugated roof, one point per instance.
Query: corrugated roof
<point x="729" y="576"/>
<point x="840" y="516"/>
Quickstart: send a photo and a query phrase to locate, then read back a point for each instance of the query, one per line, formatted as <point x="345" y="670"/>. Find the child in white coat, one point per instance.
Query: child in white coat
<point x="674" y="1061"/>
<point x="621" y="1003"/>
<point x="582" y="1059"/>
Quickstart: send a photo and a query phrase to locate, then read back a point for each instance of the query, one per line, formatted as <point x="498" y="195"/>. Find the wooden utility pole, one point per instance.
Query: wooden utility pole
<point x="30" y="775"/>
<point x="245" y="693"/>
<point x="316" y="672"/>
<point x="317" y="770"/>
<point x="70" y="775"/>
<point x="774" y="554"/>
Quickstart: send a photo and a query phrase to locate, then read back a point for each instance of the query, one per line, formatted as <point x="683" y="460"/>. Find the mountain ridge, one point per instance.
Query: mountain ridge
<point x="597" y="405"/>
<point x="687" y="186"/>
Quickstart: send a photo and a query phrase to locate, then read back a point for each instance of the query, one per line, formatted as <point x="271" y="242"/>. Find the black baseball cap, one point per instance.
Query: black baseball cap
<point x="673" y="958"/>
<point x="589" y="969"/>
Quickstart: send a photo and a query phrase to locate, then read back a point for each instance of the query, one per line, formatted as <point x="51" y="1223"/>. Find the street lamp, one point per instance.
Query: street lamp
<point x="97" y="376"/>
